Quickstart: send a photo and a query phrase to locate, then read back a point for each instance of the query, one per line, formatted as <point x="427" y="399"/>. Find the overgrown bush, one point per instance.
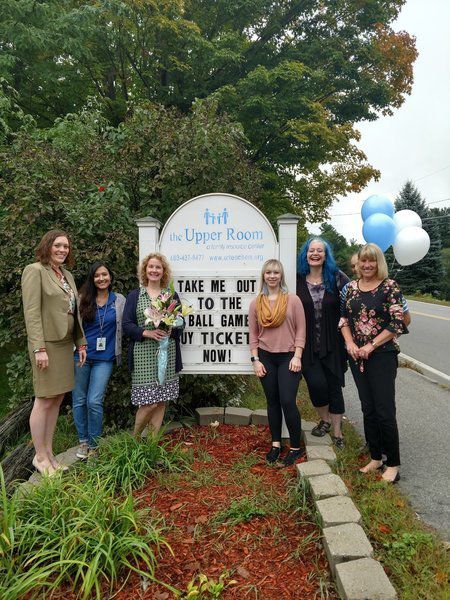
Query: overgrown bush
<point x="93" y="180"/>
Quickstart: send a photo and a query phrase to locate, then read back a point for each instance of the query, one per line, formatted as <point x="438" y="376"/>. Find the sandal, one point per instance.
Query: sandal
<point x="321" y="429"/>
<point x="338" y="442"/>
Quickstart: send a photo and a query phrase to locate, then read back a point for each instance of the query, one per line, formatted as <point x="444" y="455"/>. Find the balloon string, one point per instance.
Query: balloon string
<point x="397" y="271"/>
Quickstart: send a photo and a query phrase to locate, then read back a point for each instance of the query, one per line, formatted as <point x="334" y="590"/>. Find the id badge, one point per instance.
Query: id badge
<point x="101" y="344"/>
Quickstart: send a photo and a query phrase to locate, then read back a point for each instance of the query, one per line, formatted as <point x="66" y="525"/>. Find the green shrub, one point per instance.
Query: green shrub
<point x="124" y="464"/>
<point x="73" y="532"/>
<point x="93" y="180"/>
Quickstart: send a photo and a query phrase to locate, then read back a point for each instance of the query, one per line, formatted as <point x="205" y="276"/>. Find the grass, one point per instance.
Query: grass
<point x="84" y="531"/>
<point x="412" y="554"/>
<point x="240" y="511"/>
<point x="427" y="298"/>
<point x="125" y="464"/>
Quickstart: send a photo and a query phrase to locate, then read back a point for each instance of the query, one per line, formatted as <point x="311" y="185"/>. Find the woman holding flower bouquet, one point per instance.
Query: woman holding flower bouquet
<point x="151" y="321"/>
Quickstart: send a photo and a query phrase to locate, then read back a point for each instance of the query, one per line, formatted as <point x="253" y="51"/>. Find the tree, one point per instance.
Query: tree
<point x="297" y="74"/>
<point x="427" y="275"/>
<point x="342" y="250"/>
<point x="442" y="217"/>
<point x="93" y="180"/>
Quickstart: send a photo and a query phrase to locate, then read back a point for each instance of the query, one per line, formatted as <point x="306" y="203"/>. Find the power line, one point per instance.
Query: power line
<point x="437" y="201"/>
<point x="430" y="174"/>
<point x="359" y="212"/>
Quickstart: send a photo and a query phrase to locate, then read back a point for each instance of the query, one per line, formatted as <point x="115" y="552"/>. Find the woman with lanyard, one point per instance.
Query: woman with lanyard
<point x="101" y="310"/>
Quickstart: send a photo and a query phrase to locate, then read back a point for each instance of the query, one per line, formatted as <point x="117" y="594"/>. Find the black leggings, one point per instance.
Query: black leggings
<point x="376" y="389"/>
<point x="280" y="388"/>
<point x="324" y="387"/>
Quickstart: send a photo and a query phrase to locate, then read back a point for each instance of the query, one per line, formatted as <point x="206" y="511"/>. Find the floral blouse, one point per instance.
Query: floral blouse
<point x="72" y="300"/>
<point x="369" y="313"/>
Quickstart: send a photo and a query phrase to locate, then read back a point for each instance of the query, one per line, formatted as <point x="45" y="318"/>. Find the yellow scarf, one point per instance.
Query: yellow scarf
<point x="266" y="316"/>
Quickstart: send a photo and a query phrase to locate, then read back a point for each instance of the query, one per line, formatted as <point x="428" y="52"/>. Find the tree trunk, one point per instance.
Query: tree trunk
<point x="17" y="465"/>
<point x="14" y="424"/>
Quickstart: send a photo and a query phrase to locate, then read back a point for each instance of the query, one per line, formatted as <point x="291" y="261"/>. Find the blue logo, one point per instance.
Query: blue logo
<point x="212" y="218"/>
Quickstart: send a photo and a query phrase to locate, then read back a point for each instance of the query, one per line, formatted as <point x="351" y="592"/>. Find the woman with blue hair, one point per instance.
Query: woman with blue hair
<point x="319" y="283"/>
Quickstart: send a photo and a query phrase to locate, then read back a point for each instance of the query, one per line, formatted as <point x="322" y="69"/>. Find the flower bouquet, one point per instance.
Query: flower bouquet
<point x="166" y="313"/>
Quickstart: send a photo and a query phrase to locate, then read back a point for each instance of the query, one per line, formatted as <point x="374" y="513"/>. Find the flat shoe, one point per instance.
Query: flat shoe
<point x="392" y="481"/>
<point x="273" y="455"/>
<point x="291" y="457"/>
<point x="380" y="468"/>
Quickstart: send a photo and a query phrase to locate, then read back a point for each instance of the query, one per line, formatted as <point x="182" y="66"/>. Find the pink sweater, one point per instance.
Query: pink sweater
<point x="285" y="338"/>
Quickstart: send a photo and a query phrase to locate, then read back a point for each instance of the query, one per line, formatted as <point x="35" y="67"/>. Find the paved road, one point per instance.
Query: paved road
<point x="428" y="339"/>
<point x="423" y="411"/>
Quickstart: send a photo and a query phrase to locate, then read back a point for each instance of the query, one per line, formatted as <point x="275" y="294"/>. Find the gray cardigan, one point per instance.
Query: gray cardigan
<point x="120" y="305"/>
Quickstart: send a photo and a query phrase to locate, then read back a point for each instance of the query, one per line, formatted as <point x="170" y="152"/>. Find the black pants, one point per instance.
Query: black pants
<point x="324" y="387"/>
<point x="376" y="388"/>
<point x="280" y="388"/>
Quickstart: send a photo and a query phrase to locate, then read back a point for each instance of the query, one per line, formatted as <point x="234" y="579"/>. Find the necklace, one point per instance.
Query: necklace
<point x="153" y="294"/>
<point x="314" y="282"/>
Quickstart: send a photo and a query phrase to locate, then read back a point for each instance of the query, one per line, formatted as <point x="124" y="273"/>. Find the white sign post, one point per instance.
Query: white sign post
<point x="216" y="245"/>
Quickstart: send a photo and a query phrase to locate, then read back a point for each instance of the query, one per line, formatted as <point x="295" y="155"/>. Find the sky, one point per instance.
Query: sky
<point x="414" y="143"/>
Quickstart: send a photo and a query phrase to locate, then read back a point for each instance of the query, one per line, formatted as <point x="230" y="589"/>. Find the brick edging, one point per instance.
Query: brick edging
<point x="357" y="574"/>
<point x="350" y="554"/>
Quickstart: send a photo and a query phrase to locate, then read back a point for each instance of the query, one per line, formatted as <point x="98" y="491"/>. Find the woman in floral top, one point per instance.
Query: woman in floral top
<point x="372" y="320"/>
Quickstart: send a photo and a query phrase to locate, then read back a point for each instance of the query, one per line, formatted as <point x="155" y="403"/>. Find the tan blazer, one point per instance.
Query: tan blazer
<point x="45" y="304"/>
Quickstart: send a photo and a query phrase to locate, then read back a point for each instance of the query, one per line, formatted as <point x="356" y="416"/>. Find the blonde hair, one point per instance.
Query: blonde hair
<point x="270" y="264"/>
<point x="373" y="252"/>
<point x="167" y="274"/>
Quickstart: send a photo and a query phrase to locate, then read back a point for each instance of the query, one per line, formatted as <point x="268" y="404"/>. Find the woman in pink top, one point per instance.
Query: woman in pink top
<point x="277" y="339"/>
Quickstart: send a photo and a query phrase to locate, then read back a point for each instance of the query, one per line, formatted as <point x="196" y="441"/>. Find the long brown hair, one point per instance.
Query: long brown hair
<point x="88" y="292"/>
<point x="43" y="251"/>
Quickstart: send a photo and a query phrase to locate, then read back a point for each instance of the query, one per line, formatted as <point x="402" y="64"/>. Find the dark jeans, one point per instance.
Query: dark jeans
<point x="280" y="387"/>
<point x="324" y="387"/>
<point x="376" y="388"/>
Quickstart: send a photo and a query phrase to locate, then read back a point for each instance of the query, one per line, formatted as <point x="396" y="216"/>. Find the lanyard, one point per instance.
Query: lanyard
<point x="100" y="320"/>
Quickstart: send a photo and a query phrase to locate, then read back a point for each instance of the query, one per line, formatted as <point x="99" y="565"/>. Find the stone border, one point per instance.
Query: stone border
<point x="350" y="554"/>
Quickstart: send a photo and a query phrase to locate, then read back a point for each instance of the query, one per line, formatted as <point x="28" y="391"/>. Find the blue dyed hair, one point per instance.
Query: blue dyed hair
<point x="329" y="268"/>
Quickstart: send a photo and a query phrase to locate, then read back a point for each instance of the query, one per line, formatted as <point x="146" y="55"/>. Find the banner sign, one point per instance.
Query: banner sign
<point x="216" y="245"/>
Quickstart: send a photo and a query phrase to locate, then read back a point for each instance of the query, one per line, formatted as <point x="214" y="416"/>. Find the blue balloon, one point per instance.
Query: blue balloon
<point x="377" y="204"/>
<point x="380" y="229"/>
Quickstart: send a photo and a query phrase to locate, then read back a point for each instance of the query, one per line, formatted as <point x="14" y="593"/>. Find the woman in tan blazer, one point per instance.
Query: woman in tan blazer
<point x="50" y="304"/>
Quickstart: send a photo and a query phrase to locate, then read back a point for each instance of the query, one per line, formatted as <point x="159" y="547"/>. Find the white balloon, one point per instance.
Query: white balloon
<point x="406" y="218"/>
<point x="411" y="245"/>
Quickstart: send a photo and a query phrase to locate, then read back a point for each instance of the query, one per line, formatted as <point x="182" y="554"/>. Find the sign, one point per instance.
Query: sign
<point x="216" y="245"/>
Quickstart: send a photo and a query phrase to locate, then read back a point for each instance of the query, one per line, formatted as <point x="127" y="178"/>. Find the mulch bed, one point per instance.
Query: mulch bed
<point x="268" y="556"/>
